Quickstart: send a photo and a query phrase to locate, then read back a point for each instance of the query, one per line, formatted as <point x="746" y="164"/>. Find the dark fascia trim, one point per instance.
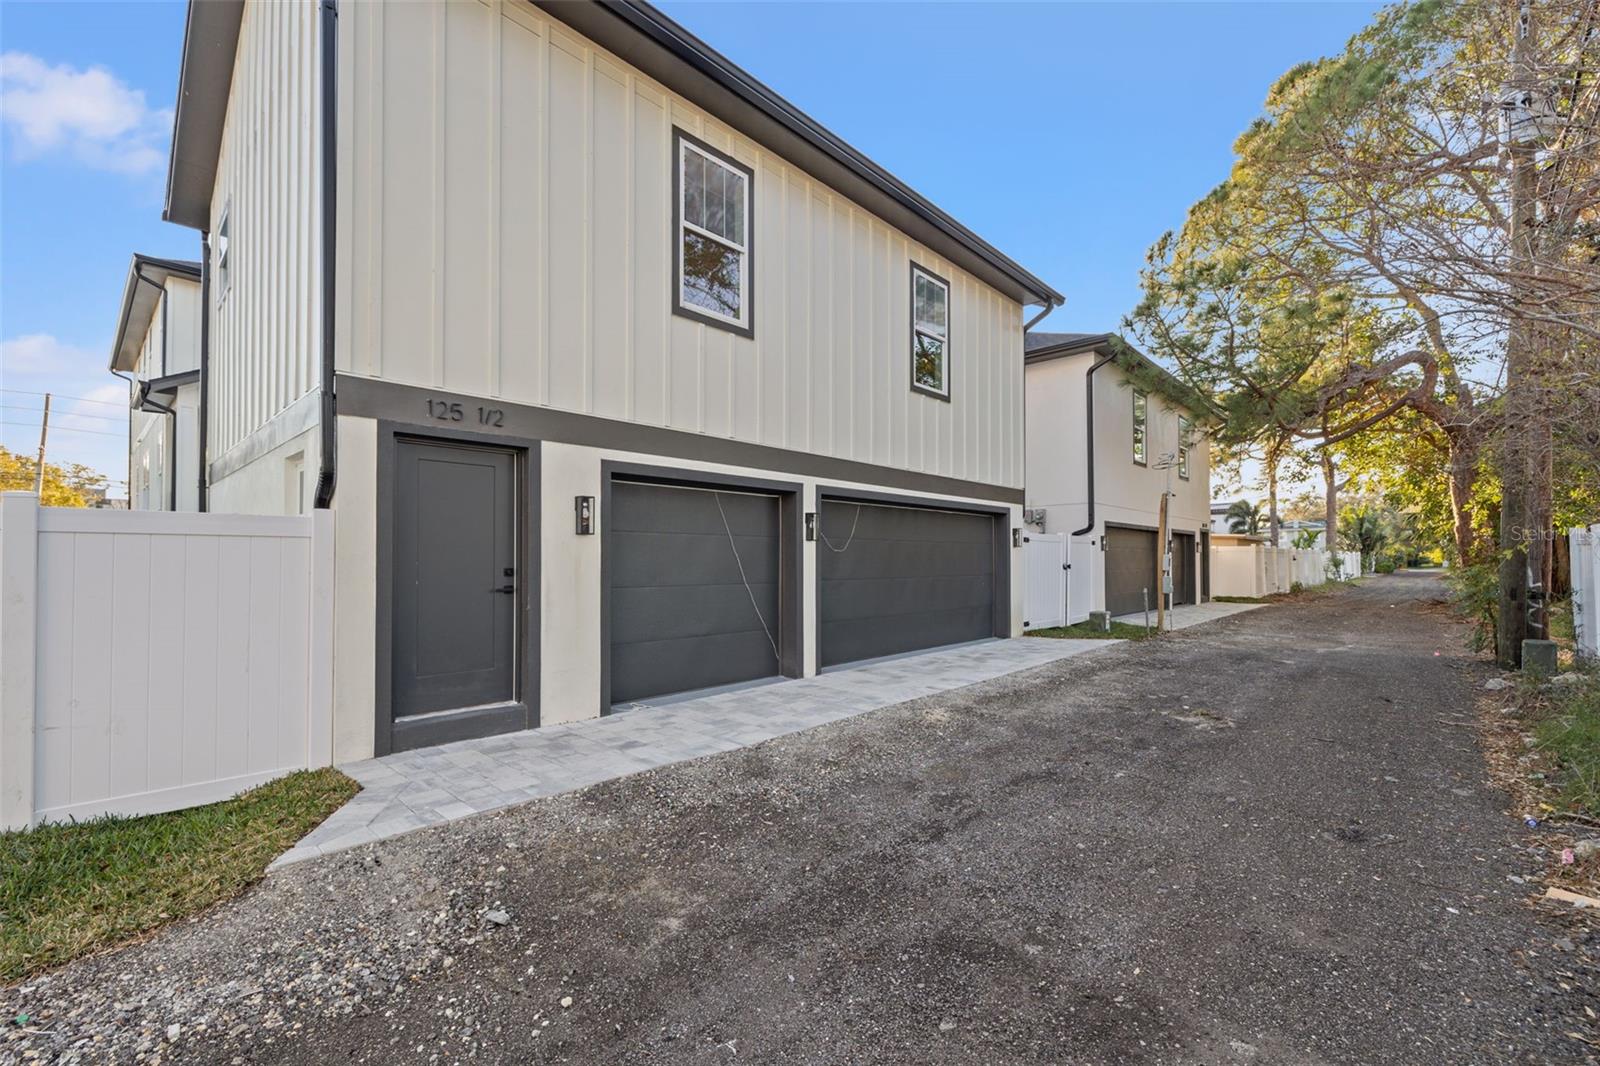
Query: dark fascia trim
<point x="1109" y="345"/>
<point x="396" y="402"/>
<point x="388" y="735"/>
<point x="172" y="382"/>
<point x="680" y="137"/>
<point x="647" y="39"/>
<point x="138" y="306"/>
<point x="1099" y="343"/>
<point x="210" y="42"/>
<point x="1000" y="538"/>
<point x="791" y="526"/>
<point x="949" y="329"/>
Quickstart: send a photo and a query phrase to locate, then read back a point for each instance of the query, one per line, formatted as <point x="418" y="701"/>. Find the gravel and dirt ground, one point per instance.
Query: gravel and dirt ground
<point x="1266" y="840"/>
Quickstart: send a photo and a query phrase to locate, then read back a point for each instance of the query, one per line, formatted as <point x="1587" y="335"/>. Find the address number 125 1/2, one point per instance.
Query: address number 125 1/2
<point x="454" y="411"/>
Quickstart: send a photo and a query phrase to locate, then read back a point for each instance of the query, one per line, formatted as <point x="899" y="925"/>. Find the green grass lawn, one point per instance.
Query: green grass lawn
<point x="1240" y="599"/>
<point x="73" y="888"/>
<point x="1082" y="631"/>
<point x="1567" y="729"/>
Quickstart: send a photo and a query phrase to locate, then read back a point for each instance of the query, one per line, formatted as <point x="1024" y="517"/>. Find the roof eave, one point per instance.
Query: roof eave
<point x="210" y="41"/>
<point x="139" y="304"/>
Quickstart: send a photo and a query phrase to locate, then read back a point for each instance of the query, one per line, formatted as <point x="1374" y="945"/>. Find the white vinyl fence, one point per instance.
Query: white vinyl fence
<point x="151" y="660"/>
<point x="1585" y="544"/>
<point x="1256" y="570"/>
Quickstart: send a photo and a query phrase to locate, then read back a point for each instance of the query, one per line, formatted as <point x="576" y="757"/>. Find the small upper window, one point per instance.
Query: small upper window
<point x="930" y="333"/>
<point x="712" y="231"/>
<point x="1183" y="447"/>
<point x="1140" y="418"/>
<point x="224" y="262"/>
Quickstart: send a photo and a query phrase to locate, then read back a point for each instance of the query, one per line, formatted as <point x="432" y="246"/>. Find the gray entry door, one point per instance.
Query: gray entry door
<point x="895" y="579"/>
<point x="1183" y="568"/>
<point x="1130" y="559"/>
<point x="454" y="605"/>
<point x="694" y="588"/>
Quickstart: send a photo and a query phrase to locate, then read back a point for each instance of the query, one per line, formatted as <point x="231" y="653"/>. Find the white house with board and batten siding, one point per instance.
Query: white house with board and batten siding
<point x="623" y="377"/>
<point x="1108" y="434"/>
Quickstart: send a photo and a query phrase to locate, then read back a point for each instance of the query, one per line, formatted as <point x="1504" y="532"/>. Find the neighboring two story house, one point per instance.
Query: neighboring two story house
<point x="622" y="376"/>
<point x="1101" y="450"/>
<point x="157" y="348"/>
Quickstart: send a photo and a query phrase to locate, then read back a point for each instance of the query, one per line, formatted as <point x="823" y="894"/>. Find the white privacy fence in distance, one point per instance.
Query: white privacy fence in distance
<point x="156" y="660"/>
<point x="1585" y="544"/>
<point x="1256" y="569"/>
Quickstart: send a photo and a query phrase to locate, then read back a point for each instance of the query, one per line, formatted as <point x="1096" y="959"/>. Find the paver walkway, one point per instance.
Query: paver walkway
<point x="429" y="786"/>
<point x="1190" y="614"/>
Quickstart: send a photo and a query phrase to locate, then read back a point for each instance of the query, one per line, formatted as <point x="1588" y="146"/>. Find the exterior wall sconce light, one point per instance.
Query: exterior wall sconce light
<point x="583" y="513"/>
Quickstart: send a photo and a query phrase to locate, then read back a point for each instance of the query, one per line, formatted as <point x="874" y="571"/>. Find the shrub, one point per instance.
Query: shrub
<point x="1476" y="590"/>
<point x="1383" y="566"/>
<point x="1296" y="586"/>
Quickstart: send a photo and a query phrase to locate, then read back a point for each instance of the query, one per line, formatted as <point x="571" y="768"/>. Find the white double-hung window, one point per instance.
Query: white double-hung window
<point x="712" y="213"/>
<point x="930" y="333"/>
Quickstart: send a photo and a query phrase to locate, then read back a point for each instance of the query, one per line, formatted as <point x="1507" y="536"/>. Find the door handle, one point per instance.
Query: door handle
<point x="507" y="589"/>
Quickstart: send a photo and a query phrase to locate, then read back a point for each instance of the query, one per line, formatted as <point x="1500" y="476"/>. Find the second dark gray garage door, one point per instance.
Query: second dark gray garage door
<point x="1130" y="558"/>
<point x="683" y="616"/>
<point x="895" y="579"/>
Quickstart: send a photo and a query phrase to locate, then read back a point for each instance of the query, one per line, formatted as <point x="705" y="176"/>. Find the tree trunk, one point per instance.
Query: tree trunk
<point x="1330" y="503"/>
<point x="1272" y="497"/>
<point x="1462" y="469"/>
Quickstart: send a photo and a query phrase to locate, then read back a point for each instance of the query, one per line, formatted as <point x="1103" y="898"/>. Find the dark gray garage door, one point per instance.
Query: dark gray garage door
<point x="1130" y="569"/>
<point x="683" y="615"/>
<point x="895" y="579"/>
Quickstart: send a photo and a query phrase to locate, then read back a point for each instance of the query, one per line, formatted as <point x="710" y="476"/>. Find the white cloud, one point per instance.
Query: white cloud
<point x="41" y="353"/>
<point x="90" y="115"/>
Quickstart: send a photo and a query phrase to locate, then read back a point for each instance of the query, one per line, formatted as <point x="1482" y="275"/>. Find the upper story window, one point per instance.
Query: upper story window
<point x="1183" y="447"/>
<point x="712" y="227"/>
<point x="1141" y="418"/>
<point x="930" y="333"/>
<point x="224" y="260"/>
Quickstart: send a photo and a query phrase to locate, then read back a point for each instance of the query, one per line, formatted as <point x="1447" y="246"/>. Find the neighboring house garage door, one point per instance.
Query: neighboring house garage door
<point x="893" y="579"/>
<point x="1183" y="569"/>
<point x="1130" y="569"/>
<point x="693" y="576"/>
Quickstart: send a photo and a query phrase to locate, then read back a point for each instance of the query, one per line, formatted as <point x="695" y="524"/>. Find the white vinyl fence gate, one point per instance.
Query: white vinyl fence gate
<point x="152" y="660"/>
<point x="1044" y="589"/>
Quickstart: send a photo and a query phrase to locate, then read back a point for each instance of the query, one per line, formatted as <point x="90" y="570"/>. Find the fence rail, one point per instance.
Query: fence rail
<point x="154" y="660"/>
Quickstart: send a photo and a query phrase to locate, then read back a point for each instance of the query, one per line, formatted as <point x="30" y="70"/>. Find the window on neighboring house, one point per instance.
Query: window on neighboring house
<point x="930" y="333"/>
<point x="224" y="261"/>
<point x="712" y="227"/>
<point x="1183" y="448"/>
<point x="1140" y="425"/>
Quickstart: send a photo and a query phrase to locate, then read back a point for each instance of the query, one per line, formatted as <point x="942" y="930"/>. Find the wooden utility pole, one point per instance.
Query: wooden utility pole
<point x="1524" y="510"/>
<point x="44" y="432"/>
<point x="1162" y="555"/>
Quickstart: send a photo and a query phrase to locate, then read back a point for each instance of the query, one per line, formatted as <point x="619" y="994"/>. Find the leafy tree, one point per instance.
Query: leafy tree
<point x="73" y="485"/>
<point x="1244" y="517"/>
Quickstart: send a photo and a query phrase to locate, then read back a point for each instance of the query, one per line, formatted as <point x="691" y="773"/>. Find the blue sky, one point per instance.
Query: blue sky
<point x="1068" y="135"/>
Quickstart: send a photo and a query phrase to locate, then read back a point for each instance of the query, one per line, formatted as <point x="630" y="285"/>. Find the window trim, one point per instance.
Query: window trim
<point x="911" y="335"/>
<point x="224" y="251"/>
<point x="1184" y="426"/>
<point x="746" y="326"/>
<point x="1141" y="428"/>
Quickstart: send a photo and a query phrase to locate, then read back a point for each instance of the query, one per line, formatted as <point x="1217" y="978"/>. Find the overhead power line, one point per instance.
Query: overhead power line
<point x="60" y="396"/>
<point x="64" y="429"/>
